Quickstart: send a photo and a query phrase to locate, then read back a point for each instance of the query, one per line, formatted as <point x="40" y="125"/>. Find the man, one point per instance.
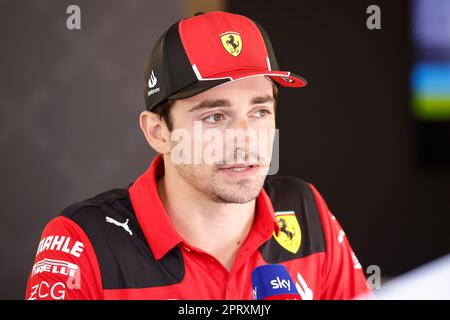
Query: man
<point x="194" y="227"/>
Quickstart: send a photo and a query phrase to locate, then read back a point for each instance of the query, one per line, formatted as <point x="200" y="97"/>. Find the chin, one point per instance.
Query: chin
<point x="239" y="193"/>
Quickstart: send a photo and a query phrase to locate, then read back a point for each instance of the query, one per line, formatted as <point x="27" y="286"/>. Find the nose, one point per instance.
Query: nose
<point x="240" y="136"/>
<point x="241" y="123"/>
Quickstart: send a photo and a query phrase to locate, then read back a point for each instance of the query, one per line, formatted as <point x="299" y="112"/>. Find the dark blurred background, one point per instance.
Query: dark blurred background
<point x="70" y="102"/>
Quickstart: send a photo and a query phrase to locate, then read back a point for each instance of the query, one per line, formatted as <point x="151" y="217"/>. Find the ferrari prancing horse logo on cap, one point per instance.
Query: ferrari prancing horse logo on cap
<point x="232" y="43"/>
<point x="290" y="235"/>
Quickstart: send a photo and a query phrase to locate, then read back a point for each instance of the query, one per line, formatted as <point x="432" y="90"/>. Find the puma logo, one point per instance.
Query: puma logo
<point x="120" y="224"/>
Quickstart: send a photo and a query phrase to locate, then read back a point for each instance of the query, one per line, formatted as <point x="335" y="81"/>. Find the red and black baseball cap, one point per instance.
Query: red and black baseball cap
<point x="206" y="50"/>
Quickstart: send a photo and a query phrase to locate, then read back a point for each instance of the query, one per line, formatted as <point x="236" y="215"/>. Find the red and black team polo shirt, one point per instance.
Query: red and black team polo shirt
<point x="121" y="244"/>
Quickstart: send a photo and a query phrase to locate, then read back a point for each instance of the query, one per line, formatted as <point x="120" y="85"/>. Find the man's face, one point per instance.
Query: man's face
<point x="236" y="167"/>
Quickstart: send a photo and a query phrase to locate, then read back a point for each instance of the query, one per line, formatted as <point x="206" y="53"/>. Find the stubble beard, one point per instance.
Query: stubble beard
<point x="214" y="186"/>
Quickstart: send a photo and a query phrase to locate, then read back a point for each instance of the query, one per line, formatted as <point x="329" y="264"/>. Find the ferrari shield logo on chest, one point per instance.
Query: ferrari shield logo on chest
<point x="290" y="235"/>
<point x="232" y="43"/>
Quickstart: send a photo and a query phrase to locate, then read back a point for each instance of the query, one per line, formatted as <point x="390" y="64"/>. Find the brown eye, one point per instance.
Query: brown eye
<point x="262" y="113"/>
<point x="214" y="118"/>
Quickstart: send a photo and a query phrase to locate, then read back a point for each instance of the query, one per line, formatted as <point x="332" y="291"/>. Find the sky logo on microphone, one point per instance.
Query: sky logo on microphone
<point x="280" y="284"/>
<point x="273" y="282"/>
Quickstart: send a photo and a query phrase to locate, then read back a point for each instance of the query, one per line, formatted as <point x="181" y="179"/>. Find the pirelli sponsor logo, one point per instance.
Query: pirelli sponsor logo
<point x="55" y="266"/>
<point x="61" y="243"/>
<point x="49" y="287"/>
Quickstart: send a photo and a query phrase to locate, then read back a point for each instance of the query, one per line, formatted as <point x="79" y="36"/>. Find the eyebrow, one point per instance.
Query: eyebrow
<point x="209" y="104"/>
<point x="262" y="99"/>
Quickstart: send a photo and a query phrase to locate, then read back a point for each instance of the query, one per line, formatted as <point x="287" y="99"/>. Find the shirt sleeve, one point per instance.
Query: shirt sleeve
<point x="65" y="267"/>
<point x="342" y="274"/>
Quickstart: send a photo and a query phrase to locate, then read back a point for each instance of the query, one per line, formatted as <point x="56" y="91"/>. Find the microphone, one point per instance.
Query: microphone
<point x="273" y="282"/>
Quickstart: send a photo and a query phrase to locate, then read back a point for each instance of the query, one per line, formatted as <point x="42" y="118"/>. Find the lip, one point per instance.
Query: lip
<point x="249" y="170"/>
<point x="245" y="165"/>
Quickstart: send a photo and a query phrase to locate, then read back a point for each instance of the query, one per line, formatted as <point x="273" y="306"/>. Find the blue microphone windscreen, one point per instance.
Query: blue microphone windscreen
<point x="272" y="280"/>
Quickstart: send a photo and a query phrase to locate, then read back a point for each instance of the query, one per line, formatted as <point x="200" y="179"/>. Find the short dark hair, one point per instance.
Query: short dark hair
<point x="163" y="109"/>
<point x="163" y="112"/>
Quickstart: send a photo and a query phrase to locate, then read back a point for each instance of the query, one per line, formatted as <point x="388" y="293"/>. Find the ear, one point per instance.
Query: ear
<point x="155" y="131"/>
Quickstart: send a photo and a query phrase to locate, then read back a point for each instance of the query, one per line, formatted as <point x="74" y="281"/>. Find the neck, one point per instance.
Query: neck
<point x="214" y="227"/>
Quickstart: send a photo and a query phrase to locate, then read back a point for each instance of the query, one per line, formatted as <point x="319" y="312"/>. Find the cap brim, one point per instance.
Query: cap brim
<point x="283" y="78"/>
